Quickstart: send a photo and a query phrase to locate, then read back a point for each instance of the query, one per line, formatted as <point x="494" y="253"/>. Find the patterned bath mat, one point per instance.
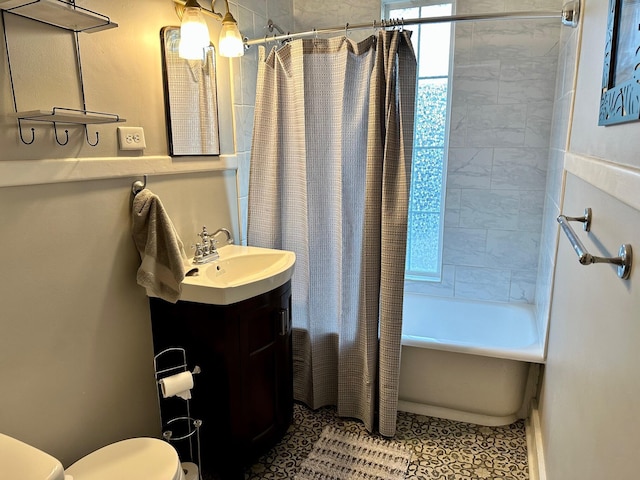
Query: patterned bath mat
<point x="340" y="455"/>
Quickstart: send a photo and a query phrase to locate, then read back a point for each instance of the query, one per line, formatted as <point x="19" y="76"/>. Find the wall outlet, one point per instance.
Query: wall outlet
<point x="131" y="138"/>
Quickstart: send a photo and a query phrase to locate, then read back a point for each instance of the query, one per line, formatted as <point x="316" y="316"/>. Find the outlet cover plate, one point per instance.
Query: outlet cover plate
<point x="131" y="138"/>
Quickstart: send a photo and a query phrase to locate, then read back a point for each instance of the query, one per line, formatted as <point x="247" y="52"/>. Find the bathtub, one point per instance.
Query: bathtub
<point x="468" y="361"/>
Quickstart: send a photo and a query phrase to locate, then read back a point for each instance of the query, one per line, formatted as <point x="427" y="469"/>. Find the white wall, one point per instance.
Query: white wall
<point x="589" y="392"/>
<point x="76" y="357"/>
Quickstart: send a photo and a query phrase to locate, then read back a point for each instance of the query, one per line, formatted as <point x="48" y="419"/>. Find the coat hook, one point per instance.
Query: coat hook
<point x="33" y="133"/>
<point x="138" y="186"/>
<point x="66" y="132"/>
<point x="86" y="135"/>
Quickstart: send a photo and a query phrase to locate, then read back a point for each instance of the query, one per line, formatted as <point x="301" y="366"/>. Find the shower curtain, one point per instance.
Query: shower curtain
<point x="329" y="180"/>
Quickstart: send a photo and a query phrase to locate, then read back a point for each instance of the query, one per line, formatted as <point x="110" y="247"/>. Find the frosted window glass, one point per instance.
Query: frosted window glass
<point x="432" y="43"/>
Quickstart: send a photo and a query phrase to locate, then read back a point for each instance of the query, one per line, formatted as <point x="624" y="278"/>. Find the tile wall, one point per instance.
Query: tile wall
<point x="252" y="17"/>
<point x="502" y="104"/>
<point x="564" y="93"/>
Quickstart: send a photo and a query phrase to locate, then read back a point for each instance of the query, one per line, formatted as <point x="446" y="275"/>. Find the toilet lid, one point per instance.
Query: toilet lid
<point x="133" y="459"/>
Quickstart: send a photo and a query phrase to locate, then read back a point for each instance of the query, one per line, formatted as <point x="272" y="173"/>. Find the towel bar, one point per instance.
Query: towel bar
<point x="623" y="261"/>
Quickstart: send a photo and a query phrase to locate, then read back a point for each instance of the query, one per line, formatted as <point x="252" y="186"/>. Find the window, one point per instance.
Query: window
<point x="432" y="44"/>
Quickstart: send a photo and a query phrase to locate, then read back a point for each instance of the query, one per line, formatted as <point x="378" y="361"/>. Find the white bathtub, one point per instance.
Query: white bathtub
<point x="468" y="361"/>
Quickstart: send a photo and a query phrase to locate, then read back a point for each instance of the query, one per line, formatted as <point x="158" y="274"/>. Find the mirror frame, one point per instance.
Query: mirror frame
<point x="620" y="100"/>
<point x="183" y="112"/>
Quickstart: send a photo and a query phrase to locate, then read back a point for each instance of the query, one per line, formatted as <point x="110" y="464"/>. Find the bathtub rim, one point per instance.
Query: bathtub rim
<point x="533" y="353"/>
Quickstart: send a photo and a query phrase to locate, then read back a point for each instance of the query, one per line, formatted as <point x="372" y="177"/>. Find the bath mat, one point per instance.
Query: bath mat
<point x="340" y="455"/>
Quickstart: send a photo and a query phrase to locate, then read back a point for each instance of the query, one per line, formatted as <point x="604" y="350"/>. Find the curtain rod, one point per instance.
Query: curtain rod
<point x="569" y="16"/>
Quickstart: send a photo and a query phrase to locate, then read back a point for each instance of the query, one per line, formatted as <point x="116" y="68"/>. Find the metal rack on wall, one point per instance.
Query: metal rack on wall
<point x="64" y="14"/>
<point x="183" y="432"/>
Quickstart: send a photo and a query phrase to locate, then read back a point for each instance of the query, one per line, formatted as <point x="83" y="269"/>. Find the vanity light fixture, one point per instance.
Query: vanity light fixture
<point x="194" y="34"/>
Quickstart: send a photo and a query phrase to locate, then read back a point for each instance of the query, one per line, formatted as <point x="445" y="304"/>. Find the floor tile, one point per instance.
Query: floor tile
<point x="442" y="449"/>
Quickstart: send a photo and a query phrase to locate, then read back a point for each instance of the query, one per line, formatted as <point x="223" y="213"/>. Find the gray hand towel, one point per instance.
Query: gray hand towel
<point x="164" y="261"/>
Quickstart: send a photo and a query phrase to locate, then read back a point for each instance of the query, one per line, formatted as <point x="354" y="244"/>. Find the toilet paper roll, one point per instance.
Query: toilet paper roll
<point x="177" y="385"/>
<point x="190" y="471"/>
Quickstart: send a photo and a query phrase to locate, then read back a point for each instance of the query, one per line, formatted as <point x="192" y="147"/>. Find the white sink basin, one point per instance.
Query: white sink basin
<point x="240" y="273"/>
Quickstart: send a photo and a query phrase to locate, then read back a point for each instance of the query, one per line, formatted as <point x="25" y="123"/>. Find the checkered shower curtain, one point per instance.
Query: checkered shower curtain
<point x="330" y="176"/>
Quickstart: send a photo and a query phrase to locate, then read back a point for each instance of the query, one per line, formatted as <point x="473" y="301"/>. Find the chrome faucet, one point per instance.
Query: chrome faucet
<point x="227" y="232"/>
<point x="206" y="250"/>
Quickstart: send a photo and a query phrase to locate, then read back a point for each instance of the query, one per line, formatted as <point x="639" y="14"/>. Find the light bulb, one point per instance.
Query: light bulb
<point x="194" y="35"/>
<point x="230" y="42"/>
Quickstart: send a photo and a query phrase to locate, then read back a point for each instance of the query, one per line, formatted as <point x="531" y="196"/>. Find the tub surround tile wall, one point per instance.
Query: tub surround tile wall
<point x="310" y="14"/>
<point x="559" y="140"/>
<point x="503" y="86"/>
<point x="252" y="16"/>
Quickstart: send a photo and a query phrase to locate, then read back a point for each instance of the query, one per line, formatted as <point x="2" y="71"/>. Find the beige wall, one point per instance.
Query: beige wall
<point x="589" y="396"/>
<point x="76" y="356"/>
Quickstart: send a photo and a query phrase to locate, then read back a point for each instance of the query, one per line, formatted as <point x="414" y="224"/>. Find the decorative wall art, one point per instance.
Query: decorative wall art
<point x="620" y="100"/>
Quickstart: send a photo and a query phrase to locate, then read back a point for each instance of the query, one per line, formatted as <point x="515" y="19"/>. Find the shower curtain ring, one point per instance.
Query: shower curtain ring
<point x="346" y="30"/>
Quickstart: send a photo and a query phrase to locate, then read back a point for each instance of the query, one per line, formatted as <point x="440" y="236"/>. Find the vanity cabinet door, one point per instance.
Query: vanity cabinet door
<point x="266" y="357"/>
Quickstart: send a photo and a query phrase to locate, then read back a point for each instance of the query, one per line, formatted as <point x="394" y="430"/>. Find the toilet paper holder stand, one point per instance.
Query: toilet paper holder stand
<point x="172" y="361"/>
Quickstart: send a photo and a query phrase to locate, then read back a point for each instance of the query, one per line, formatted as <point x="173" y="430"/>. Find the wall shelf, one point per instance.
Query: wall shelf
<point x="59" y="13"/>
<point x="68" y="115"/>
<point x="67" y="15"/>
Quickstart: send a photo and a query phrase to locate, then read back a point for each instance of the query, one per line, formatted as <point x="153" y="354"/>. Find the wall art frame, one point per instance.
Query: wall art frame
<point x="620" y="98"/>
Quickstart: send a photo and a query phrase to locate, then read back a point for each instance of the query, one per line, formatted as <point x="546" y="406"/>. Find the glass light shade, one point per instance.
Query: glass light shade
<point x="230" y="42"/>
<point x="194" y="35"/>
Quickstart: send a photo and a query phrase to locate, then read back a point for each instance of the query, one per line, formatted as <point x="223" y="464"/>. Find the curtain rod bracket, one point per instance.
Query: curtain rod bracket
<point x="571" y="13"/>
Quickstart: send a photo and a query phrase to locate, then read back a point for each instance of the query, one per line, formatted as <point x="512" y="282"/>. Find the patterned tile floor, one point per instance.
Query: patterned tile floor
<point x="442" y="449"/>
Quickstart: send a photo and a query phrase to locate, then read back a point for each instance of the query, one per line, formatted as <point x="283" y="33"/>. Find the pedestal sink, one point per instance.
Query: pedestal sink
<point x="240" y="273"/>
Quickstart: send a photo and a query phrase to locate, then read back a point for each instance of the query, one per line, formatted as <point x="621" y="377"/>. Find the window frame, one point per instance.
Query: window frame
<point x="387" y="6"/>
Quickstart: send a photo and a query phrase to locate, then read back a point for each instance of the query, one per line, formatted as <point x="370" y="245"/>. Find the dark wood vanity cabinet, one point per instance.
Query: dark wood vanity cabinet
<point x="244" y="393"/>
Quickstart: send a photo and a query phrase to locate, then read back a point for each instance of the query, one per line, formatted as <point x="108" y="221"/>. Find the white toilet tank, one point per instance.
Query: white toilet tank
<point x="19" y="460"/>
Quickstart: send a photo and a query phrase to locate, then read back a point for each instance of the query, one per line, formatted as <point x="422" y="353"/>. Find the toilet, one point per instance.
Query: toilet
<point x="132" y="459"/>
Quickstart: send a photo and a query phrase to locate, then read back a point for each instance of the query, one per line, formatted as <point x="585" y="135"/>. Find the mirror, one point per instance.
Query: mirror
<point x="191" y="103"/>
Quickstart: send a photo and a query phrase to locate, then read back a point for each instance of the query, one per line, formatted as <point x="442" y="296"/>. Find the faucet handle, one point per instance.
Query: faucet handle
<point x="199" y="252"/>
